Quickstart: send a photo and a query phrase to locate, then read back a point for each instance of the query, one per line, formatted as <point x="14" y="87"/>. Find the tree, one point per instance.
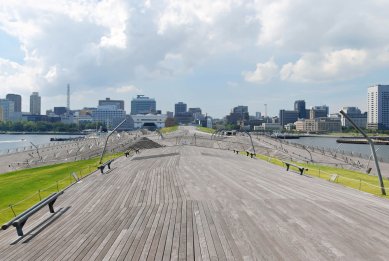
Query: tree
<point x="170" y="122"/>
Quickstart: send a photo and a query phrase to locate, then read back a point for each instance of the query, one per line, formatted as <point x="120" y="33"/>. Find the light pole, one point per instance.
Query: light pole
<point x="106" y="140"/>
<point x="373" y="151"/>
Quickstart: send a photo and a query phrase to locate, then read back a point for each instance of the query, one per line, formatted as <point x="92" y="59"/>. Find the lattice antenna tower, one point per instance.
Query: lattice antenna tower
<point x="68" y="98"/>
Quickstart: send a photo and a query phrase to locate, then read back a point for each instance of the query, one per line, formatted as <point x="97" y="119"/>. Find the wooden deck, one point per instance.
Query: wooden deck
<point x="190" y="203"/>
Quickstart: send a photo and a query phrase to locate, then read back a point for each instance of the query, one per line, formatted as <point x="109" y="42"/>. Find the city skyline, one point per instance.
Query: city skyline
<point x="214" y="55"/>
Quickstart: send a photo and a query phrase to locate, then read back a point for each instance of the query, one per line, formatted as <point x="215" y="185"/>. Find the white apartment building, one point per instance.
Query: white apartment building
<point x="378" y="107"/>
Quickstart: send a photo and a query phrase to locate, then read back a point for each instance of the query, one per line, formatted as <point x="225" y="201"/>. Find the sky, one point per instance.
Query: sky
<point x="211" y="54"/>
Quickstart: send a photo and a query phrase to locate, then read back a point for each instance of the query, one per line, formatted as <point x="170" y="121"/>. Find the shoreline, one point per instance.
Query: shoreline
<point x="42" y="133"/>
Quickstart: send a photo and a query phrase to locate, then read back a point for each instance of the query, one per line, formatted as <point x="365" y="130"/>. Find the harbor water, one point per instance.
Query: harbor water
<point x="329" y="143"/>
<point x="10" y="143"/>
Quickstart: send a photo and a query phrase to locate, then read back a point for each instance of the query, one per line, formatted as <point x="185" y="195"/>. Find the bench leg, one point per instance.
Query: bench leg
<point x="109" y="166"/>
<point x="51" y="206"/>
<point x="301" y="171"/>
<point x="101" y="169"/>
<point x="287" y="167"/>
<point x="19" y="228"/>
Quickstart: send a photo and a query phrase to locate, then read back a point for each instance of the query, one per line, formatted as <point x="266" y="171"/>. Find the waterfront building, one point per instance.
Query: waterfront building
<point x="179" y="107"/>
<point x="319" y="112"/>
<point x="268" y="127"/>
<point x="149" y="121"/>
<point x="238" y="115"/>
<point x="184" y="117"/>
<point x="378" y="107"/>
<point x="323" y="124"/>
<point x="197" y="115"/>
<point x="17" y="99"/>
<point x="288" y="117"/>
<point x="108" y="114"/>
<point x="35" y="104"/>
<point x="118" y="103"/>
<point x="258" y="115"/>
<point x="7" y="108"/>
<point x="299" y="106"/>
<point x="359" y="118"/>
<point x="1" y="114"/>
<point x="143" y="105"/>
<point x="169" y="114"/>
<point x="60" y="110"/>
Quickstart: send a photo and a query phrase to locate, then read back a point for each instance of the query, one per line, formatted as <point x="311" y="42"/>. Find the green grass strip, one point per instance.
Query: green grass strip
<point x="348" y="178"/>
<point x="207" y="130"/>
<point x="168" y="129"/>
<point x="24" y="188"/>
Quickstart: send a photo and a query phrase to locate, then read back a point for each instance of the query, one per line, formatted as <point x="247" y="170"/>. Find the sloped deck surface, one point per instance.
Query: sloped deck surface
<point x="192" y="203"/>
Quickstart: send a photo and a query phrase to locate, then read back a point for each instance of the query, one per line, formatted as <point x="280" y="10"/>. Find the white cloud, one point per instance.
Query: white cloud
<point x="263" y="73"/>
<point x="327" y="66"/>
<point x="94" y="44"/>
<point x="125" y="89"/>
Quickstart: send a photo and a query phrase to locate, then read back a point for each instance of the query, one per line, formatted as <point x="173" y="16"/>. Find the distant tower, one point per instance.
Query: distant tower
<point x="35" y="104"/>
<point x="68" y="101"/>
<point x="265" y="110"/>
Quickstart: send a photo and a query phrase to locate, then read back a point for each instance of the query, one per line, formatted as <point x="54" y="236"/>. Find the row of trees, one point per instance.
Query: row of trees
<point x="41" y="126"/>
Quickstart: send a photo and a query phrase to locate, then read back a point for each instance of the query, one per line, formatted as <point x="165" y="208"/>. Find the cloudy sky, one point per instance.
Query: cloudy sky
<point x="210" y="54"/>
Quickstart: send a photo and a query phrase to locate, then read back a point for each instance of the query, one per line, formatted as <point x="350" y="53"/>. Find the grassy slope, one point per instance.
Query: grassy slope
<point x="348" y="178"/>
<point x="168" y="129"/>
<point x="23" y="185"/>
<point x="204" y="129"/>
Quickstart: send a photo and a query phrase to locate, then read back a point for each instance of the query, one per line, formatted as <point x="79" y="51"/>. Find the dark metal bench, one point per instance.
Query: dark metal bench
<point x="248" y="153"/>
<point x="20" y="220"/>
<point x="107" y="163"/>
<point x="288" y="164"/>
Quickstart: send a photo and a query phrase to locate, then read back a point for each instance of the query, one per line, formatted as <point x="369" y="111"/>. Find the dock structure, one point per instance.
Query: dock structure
<point x="196" y="203"/>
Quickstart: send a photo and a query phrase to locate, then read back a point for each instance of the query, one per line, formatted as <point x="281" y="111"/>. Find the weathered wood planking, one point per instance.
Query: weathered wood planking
<point x="191" y="203"/>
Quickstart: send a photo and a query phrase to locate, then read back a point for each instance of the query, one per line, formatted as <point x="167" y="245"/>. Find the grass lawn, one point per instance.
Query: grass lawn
<point x="207" y="130"/>
<point x="24" y="188"/>
<point x="168" y="129"/>
<point x="348" y="178"/>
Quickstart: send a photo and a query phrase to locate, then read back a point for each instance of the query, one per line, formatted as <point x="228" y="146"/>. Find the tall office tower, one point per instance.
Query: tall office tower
<point x="299" y="106"/>
<point x="118" y="103"/>
<point x="319" y="112"/>
<point x="7" y="108"/>
<point x="288" y="117"/>
<point x="378" y="107"/>
<point x="179" y="108"/>
<point x="143" y="105"/>
<point x="35" y="104"/>
<point x="17" y="99"/>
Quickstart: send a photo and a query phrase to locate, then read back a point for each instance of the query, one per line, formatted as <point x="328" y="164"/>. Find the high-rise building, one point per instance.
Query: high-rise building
<point x="7" y="108"/>
<point x="35" y="104"/>
<point x="17" y="99"/>
<point x="299" y="106"/>
<point x="143" y="105"/>
<point x="359" y="118"/>
<point x="108" y="114"/>
<point x="288" y="117"/>
<point x="118" y="103"/>
<point x="258" y="115"/>
<point x="319" y="112"/>
<point x="378" y="107"/>
<point x="238" y="115"/>
<point x="179" y="108"/>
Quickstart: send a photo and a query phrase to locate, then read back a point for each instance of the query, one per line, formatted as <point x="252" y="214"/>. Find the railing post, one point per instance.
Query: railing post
<point x="12" y="210"/>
